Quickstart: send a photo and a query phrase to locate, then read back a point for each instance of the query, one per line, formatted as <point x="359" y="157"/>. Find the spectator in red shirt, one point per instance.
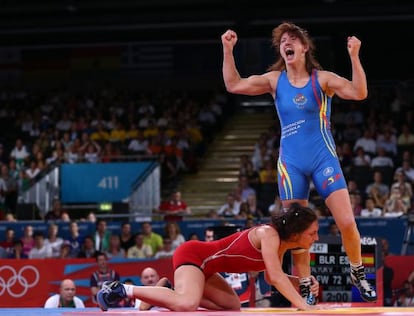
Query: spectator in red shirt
<point x="175" y="208"/>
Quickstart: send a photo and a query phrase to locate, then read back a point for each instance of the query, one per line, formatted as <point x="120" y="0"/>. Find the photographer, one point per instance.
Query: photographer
<point x="405" y="296"/>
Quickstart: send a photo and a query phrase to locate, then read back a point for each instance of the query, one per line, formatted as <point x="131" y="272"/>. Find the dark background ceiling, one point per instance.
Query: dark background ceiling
<point x="385" y="27"/>
<point x="46" y="21"/>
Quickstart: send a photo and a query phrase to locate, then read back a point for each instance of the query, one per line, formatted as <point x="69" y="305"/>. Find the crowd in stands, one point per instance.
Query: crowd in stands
<point x="40" y="130"/>
<point x="142" y="244"/>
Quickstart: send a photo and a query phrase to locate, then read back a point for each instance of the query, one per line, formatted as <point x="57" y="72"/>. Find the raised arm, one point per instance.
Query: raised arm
<point x="253" y="85"/>
<point x="356" y="88"/>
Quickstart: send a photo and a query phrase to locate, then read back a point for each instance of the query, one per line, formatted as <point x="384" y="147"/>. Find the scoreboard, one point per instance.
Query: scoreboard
<point x="330" y="266"/>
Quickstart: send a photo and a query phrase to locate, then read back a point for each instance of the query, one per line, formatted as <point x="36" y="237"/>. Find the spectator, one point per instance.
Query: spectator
<point x="355" y="203"/>
<point x="361" y="158"/>
<point x="88" y="248"/>
<point x="91" y="217"/>
<point x="381" y="159"/>
<point x="9" y="217"/>
<point x="405" y="296"/>
<point x="378" y="190"/>
<point x="245" y="188"/>
<point x="20" y="154"/>
<point x="114" y="249"/>
<point x="139" y="145"/>
<point x="395" y="205"/>
<point x="66" y="297"/>
<point x="75" y="239"/>
<point x="91" y="151"/>
<point x="65" y="250"/>
<point x="370" y="210"/>
<point x="252" y="175"/>
<point x="406" y="137"/>
<point x="407" y="169"/>
<point x="11" y="192"/>
<point x="388" y="141"/>
<point x="405" y="187"/>
<point x="101" y="236"/>
<point x="150" y="277"/>
<point x="193" y="236"/>
<point x="102" y="274"/>
<point x="367" y="143"/>
<point x="139" y="249"/>
<point x="33" y="170"/>
<point x="254" y="207"/>
<point x="27" y="239"/>
<point x="40" y="250"/>
<point x="172" y="231"/>
<point x="126" y="236"/>
<point x="56" y="213"/>
<point x="150" y="238"/>
<point x="231" y="208"/>
<point x="3" y="193"/>
<point x="53" y="240"/>
<point x="333" y="230"/>
<point x="166" y="251"/>
<point x="276" y="207"/>
<point x="209" y="234"/>
<point x="175" y="208"/>
<point x="17" y="251"/>
<point x="8" y="242"/>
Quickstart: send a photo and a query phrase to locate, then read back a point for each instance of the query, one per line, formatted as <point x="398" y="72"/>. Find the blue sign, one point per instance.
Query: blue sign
<point x="99" y="182"/>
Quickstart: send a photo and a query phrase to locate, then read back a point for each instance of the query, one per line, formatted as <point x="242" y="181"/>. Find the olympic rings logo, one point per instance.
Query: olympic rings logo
<point x="18" y="283"/>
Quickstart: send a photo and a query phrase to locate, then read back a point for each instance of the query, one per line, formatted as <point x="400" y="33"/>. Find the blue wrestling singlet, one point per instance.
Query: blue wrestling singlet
<point x="307" y="148"/>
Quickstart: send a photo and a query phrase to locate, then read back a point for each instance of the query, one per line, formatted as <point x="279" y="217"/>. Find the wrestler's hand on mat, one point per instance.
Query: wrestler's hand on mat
<point x="315" y="307"/>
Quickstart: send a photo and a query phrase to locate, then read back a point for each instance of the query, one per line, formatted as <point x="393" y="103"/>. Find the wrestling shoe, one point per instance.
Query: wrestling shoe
<point x="305" y="292"/>
<point x="365" y="289"/>
<point x="110" y="294"/>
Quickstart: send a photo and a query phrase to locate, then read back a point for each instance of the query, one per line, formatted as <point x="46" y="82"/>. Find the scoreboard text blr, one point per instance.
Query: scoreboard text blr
<point x="330" y="266"/>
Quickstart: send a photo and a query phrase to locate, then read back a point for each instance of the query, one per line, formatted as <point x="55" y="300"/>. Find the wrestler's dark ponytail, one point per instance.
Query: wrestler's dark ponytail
<point x="294" y="220"/>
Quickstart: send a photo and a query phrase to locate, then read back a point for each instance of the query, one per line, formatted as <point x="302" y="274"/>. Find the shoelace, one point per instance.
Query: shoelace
<point x="106" y="288"/>
<point x="365" y="285"/>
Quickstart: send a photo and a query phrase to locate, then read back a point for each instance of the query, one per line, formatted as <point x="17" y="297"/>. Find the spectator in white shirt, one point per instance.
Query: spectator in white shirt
<point x="361" y="158"/>
<point x="231" y="208"/>
<point x="370" y="210"/>
<point x="407" y="170"/>
<point x="19" y="153"/>
<point x="367" y="142"/>
<point x="40" y="249"/>
<point x="66" y="297"/>
<point x="381" y="159"/>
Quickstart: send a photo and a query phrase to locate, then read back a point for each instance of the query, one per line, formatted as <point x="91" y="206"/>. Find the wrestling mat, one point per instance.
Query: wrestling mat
<point x="330" y="310"/>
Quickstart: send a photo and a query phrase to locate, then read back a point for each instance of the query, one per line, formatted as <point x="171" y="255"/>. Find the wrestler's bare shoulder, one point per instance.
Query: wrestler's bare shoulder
<point x="273" y="77"/>
<point x="264" y="230"/>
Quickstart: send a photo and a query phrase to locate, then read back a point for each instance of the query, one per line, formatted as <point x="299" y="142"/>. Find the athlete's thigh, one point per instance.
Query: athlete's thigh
<point x="219" y="291"/>
<point x="189" y="280"/>
<point x="328" y="177"/>
<point x="292" y="182"/>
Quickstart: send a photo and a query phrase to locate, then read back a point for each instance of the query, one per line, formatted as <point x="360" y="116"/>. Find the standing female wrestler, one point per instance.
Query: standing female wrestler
<point x="197" y="264"/>
<point x="302" y="94"/>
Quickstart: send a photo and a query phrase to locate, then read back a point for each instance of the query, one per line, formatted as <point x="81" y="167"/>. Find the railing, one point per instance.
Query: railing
<point x="145" y="193"/>
<point x="42" y="192"/>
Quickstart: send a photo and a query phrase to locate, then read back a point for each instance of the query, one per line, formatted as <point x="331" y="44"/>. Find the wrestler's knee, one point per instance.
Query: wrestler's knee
<point x="347" y="226"/>
<point x="187" y="305"/>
